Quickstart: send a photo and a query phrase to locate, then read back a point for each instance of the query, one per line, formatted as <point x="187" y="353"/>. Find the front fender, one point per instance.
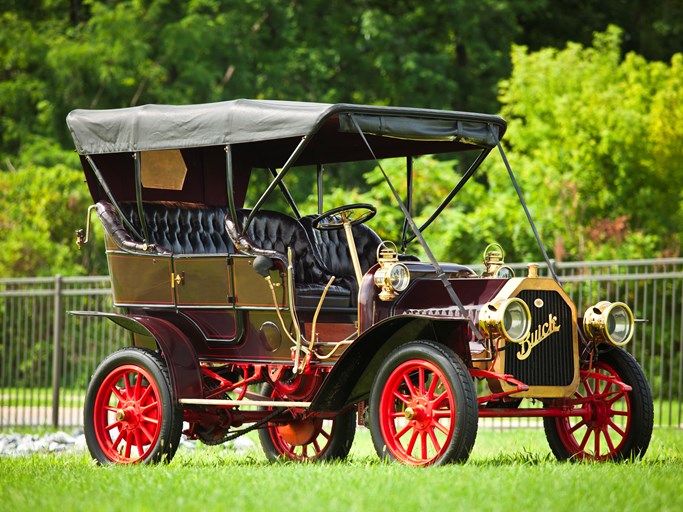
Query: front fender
<point x="351" y="377"/>
<point x="183" y="365"/>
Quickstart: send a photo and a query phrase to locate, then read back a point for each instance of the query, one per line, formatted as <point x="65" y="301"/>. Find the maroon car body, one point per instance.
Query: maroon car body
<point x="304" y="324"/>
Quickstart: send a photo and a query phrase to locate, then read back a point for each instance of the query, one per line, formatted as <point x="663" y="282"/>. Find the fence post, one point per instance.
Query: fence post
<point x="57" y="349"/>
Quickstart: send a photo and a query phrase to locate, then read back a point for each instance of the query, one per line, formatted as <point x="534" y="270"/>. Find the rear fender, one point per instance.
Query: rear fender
<point x="350" y="379"/>
<point x="183" y="366"/>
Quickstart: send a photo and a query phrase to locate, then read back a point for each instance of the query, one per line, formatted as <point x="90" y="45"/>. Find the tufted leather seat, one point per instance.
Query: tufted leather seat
<point x="182" y="229"/>
<point x="333" y="251"/>
<point x="271" y="233"/>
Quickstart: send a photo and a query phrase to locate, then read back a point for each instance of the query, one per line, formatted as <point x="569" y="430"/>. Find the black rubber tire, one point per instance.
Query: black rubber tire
<point x="341" y="434"/>
<point x="640" y="418"/>
<point x="171" y="417"/>
<point x="464" y="396"/>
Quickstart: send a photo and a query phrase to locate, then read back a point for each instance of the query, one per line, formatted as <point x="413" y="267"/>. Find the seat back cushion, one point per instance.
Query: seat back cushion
<point x="333" y="247"/>
<point x="182" y="229"/>
<point x="276" y="232"/>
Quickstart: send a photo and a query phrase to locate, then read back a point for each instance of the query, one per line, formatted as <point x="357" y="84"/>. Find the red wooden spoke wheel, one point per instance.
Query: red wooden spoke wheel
<point x="129" y="416"/>
<point x="423" y="406"/>
<point x="616" y="424"/>
<point x="310" y="439"/>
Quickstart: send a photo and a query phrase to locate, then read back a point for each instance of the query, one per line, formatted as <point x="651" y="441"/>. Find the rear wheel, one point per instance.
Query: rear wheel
<point x="423" y="406"/>
<point x="129" y="413"/>
<point x="310" y="439"/>
<point x="617" y="424"/>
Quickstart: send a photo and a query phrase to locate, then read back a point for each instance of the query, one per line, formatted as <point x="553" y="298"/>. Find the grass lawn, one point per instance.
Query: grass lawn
<point x="508" y="470"/>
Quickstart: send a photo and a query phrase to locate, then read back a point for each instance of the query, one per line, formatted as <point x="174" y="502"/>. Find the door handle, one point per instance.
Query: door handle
<point x="177" y="279"/>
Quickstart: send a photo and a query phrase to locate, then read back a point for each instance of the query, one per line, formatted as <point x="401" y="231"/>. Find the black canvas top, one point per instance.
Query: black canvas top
<point x="156" y="127"/>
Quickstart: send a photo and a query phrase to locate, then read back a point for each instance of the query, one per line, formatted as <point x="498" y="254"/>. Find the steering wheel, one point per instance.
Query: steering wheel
<point x="333" y="219"/>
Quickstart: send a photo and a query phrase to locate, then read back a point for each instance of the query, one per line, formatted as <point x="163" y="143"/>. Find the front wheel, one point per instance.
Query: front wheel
<point x="423" y="406"/>
<point x="617" y="425"/>
<point x="309" y="439"/>
<point x="129" y="414"/>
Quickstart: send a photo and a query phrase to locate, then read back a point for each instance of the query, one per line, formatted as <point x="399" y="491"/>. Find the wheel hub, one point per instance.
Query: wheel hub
<point x="419" y="412"/>
<point x="129" y="415"/>
<point x="598" y="414"/>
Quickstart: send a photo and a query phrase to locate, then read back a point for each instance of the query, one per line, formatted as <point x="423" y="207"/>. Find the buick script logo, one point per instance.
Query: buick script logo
<point x="536" y="337"/>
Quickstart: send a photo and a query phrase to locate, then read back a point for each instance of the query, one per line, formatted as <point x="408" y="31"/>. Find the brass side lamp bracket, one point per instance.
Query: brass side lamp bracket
<point x="81" y="237"/>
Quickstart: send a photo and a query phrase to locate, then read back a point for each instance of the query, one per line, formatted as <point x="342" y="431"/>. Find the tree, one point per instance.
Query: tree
<point x="590" y="137"/>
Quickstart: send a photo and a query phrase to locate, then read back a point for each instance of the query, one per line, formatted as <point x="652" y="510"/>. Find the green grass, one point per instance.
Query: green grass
<point x="508" y="470"/>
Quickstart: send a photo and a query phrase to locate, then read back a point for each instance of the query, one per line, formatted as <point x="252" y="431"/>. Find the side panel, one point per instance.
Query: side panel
<point x="140" y="279"/>
<point x="251" y="290"/>
<point x="204" y="294"/>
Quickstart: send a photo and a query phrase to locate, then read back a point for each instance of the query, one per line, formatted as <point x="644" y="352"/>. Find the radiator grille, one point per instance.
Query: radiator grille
<point x="551" y="362"/>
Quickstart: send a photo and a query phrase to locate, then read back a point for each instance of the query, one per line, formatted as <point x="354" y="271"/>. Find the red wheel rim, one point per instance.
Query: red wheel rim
<point x="127" y="414"/>
<point x="417" y="412"/>
<point x="315" y="436"/>
<point x="601" y="433"/>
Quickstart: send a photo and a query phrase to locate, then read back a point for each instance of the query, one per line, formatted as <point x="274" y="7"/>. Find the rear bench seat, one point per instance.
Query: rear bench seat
<point x="179" y="228"/>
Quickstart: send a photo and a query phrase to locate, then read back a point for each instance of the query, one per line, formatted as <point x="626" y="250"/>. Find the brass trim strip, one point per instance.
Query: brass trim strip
<point x="263" y="403"/>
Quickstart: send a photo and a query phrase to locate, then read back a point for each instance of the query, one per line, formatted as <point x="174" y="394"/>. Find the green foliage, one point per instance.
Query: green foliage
<point x="586" y="131"/>
<point x="595" y="138"/>
<point x="39" y="210"/>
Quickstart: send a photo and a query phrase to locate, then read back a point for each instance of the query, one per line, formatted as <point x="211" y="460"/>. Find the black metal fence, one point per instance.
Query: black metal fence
<point x="48" y="356"/>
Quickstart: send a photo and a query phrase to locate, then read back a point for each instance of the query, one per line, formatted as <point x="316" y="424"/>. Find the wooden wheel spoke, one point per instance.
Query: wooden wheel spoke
<point x="401" y="397"/>
<point x="139" y="443"/>
<point x="112" y="425"/>
<point x="432" y="388"/>
<point x="617" y="396"/>
<point x="318" y="451"/>
<point x="441" y="427"/>
<point x="435" y="441"/>
<point x="437" y="401"/>
<point x="148" y="407"/>
<point x="137" y="387"/>
<point x="118" y="440"/>
<point x="616" y="428"/>
<point x="576" y="427"/>
<point x="409" y="384"/>
<point x="127" y="386"/>
<point x="145" y="394"/>
<point x="411" y="443"/>
<point x="617" y="412"/>
<point x="402" y="432"/>
<point x="147" y="419"/>
<point x="128" y="446"/>
<point x="608" y="440"/>
<point x="118" y="394"/>
<point x="149" y="435"/>
<point x="586" y="438"/>
<point x="442" y="413"/>
<point x="421" y="381"/>
<point x="423" y="444"/>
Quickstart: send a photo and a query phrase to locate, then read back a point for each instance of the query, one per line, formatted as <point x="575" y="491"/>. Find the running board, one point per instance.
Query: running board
<point x="262" y="403"/>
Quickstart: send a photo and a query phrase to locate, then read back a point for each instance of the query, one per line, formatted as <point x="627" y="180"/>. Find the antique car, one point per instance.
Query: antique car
<point x="303" y="325"/>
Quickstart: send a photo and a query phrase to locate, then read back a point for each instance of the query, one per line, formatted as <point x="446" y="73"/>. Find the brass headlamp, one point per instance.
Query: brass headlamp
<point x="391" y="276"/>
<point x="609" y="321"/>
<point x="509" y="318"/>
